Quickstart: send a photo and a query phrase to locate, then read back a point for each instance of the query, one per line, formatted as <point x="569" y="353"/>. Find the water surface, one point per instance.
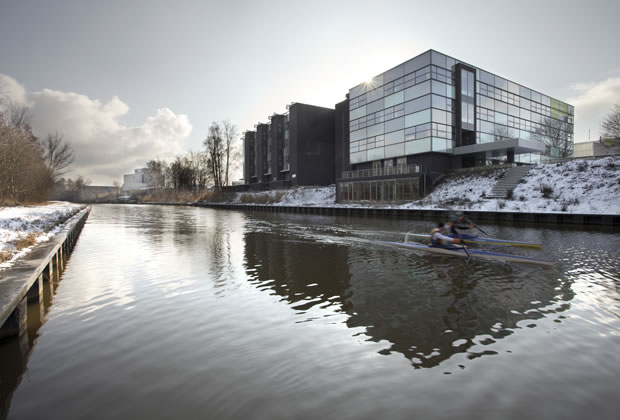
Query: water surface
<point x="185" y="312"/>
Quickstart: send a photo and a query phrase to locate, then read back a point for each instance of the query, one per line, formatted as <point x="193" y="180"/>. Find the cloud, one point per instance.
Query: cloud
<point x="593" y="101"/>
<point x="104" y="147"/>
<point x="11" y="89"/>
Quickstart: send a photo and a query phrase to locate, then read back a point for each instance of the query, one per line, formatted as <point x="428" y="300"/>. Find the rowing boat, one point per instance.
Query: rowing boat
<point x="481" y="240"/>
<point x="471" y="252"/>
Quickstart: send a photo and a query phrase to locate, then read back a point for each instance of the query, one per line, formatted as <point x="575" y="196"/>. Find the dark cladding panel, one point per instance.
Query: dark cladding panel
<point x="249" y="158"/>
<point x="312" y="145"/>
<point x="277" y="141"/>
<point x="341" y="138"/>
<point x="261" y="148"/>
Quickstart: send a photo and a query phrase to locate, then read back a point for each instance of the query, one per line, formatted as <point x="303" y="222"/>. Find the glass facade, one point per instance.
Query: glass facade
<point x="386" y="190"/>
<point x="411" y="109"/>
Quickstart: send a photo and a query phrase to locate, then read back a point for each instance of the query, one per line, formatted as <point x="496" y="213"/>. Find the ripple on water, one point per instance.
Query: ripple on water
<point x="169" y="311"/>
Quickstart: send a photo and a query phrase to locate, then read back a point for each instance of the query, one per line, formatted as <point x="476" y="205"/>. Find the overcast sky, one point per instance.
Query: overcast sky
<point x="128" y="81"/>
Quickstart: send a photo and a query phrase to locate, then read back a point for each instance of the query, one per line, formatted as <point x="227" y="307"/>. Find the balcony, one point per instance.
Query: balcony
<point x="387" y="171"/>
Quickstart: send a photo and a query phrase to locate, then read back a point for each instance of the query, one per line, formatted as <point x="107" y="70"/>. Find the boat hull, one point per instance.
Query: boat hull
<point x="473" y="253"/>
<point x="482" y="240"/>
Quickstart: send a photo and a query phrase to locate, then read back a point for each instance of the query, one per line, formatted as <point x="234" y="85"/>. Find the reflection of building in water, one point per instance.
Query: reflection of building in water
<point x="431" y="308"/>
<point x="427" y="308"/>
<point x="298" y="270"/>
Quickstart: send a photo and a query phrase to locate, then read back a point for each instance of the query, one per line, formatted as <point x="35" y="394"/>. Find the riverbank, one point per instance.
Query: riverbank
<point x="586" y="187"/>
<point x="24" y="227"/>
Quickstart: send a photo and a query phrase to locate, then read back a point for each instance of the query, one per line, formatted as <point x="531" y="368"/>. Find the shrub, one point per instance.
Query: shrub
<point x="546" y="190"/>
<point x="501" y="204"/>
<point x="509" y="195"/>
<point x="582" y="166"/>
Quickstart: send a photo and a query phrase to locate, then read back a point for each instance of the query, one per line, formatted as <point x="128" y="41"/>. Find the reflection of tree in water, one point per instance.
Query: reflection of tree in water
<point x="427" y="308"/>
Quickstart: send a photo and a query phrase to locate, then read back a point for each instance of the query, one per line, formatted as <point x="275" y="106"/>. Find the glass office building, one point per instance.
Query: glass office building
<point x="434" y="113"/>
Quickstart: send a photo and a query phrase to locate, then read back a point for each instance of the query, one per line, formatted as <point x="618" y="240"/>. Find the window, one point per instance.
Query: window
<point x="418" y="146"/>
<point x="486" y="102"/>
<point x="501" y="118"/>
<point x="440" y="116"/>
<point x="418" y="104"/>
<point x="357" y="113"/>
<point x="418" y="118"/>
<point x="395" y="150"/>
<point x="440" y="102"/>
<point x="395" y="137"/>
<point x="394" y="99"/>
<point x="417" y="90"/>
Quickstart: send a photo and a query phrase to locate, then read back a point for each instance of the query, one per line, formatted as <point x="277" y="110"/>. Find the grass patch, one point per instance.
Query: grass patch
<point x="5" y="256"/>
<point x="26" y="241"/>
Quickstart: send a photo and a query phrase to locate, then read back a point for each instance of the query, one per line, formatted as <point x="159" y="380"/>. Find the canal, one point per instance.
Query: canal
<point x="182" y="312"/>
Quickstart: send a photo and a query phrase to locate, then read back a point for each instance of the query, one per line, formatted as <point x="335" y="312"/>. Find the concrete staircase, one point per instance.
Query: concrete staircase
<point x="509" y="182"/>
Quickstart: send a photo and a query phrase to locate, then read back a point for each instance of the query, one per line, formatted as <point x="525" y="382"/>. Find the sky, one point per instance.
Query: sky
<point x="129" y="81"/>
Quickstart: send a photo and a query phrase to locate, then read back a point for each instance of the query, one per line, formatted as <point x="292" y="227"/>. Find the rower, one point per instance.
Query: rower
<point x="439" y="238"/>
<point x="453" y="225"/>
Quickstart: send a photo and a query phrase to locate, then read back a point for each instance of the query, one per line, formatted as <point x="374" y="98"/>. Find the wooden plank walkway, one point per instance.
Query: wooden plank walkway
<point x="25" y="278"/>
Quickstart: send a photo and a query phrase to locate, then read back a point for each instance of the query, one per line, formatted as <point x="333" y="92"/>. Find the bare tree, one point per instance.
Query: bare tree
<point x="200" y="168"/>
<point x="24" y="176"/>
<point x="58" y="154"/>
<point x="156" y="173"/>
<point x="229" y="132"/>
<point x="611" y="124"/>
<point x="214" y="144"/>
<point x="554" y="133"/>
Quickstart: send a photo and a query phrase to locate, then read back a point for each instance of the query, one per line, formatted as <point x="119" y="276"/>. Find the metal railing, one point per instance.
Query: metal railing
<point x="390" y="170"/>
<point x="568" y="159"/>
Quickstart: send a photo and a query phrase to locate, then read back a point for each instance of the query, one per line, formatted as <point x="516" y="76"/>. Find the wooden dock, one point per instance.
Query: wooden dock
<point x="24" y="281"/>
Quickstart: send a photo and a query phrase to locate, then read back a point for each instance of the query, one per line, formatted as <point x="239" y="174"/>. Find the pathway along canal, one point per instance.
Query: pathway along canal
<point x="181" y="312"/>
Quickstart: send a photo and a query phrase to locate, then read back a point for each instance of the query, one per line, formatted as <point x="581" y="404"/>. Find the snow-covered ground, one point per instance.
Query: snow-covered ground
<point x="21" y="228"/>
<point x="579" y="186"/>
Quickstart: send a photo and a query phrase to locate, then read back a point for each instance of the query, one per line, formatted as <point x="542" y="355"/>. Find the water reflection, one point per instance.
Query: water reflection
<point x="178" y="311"/>
<point x="425" y="308"/>
<point x="16" y="351"/>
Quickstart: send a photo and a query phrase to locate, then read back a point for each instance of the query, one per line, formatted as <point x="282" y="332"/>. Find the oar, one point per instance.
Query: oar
<point x="471" y="223"/>
<point x="465" y="248"/>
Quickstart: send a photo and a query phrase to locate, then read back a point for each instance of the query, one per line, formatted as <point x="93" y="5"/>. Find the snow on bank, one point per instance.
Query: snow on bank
<point x="302" y="196"/>
<point x="579" y="186"/>
<point x="21" y="228"/>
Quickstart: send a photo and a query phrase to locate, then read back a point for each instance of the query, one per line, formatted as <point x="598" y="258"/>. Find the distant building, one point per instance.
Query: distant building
<point x="396" y="133"/>
<point x="296" y="148"/>
<point x="601" y="147"/>
<point x="136" y="181"/>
